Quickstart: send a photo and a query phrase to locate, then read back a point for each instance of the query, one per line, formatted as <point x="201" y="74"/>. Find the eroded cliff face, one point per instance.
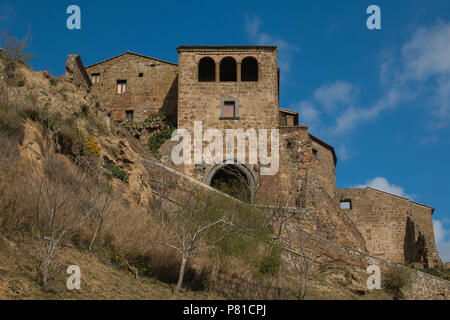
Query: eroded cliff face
<point x="66" y="105"/>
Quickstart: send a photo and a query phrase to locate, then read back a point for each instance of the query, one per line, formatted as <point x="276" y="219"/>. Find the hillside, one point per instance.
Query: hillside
<point x="60" y="148"/>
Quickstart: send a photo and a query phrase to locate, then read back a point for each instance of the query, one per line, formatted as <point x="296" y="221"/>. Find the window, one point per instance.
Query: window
<point x="229" y="109"/>
<point x="228" y="71"/>
<point x="121" y="86"/>
<point x="95" y="77"/>
<point x="346" y="204"/>
<point x="129" y="115"/>
<point x="207" y="69"/>
<point x="141" y="75"/>
<point x="249" y="69"/>
<point x="315" y="153"/>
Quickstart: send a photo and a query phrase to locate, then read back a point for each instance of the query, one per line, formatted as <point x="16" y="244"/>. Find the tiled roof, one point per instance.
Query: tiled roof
<point x="225" y="47"/>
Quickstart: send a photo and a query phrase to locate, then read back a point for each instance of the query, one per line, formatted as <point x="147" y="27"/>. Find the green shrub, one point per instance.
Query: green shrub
<point x="11" y="122"/>
<point x="271" y="262"/>
<point x="52" y="81"/>
<point x="440" y="273"/>
<point x="396" y="279"/>
<point x="49" y="120"/>
<point x="70" y="139"/>
<point x="157" y="140"/>
<point x="116" y="172"/>
<point x="141" y="262"/>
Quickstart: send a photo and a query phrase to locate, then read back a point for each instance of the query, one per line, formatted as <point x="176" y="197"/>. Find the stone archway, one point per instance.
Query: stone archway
<point x="236" y="179"/>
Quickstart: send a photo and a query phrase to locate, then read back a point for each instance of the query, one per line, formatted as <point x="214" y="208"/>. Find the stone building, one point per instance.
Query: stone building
<point x="237" y="87"/>
<point x="133" y="86"/>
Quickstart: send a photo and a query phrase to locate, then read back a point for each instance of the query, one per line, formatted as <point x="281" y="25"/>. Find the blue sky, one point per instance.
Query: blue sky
<point x="380" y="97"/>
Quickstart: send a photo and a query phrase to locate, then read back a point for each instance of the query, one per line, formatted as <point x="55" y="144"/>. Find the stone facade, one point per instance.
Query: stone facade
<point x="76" y="72"/>
<point x="237" y="87"/>
<point x="395" y="228"/>
<point x="150" y="88"/>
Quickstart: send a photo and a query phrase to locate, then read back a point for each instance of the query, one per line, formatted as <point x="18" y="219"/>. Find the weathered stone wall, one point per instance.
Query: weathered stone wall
<point x="144" y="130"/>
<point x="324" y="165"/>
<point x="154" y="92"/>
<point x="395" y="228"/>
<point x="76" y="73"/>
<point x="295" y="163"/>
<point x="200" y="101"/>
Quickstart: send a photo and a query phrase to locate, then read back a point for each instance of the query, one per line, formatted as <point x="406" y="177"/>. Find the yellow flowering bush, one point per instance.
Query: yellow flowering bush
<point x="93" y="147"/>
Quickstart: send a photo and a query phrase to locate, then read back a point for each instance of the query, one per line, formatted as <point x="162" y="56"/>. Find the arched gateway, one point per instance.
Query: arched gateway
<point x="236" y="179"/>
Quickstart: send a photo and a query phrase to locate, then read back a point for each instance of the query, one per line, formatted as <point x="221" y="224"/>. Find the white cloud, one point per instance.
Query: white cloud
<point x="309" y="114"/>
<point x="442" y="241"/>
<point x="439" y="231"/>
<point x="420" y="71"/>
<point x="343" y="152"/>
<point x="428" y="52"/>
<point x="335" y="94"/>
<point x="285" y="49"/>
<point x="382" y="184"/>
<point x="426" y="68"/>
<point x="441" y="100"/>
<point x="353" y="116"/>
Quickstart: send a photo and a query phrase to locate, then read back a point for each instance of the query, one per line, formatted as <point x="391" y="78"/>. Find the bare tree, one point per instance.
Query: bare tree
<point x="62" y="203"/>
<point x="66" y="195"/>
<point x="102" y="196"/>
<point x="304" y="248"/>
<point x="14" y="49"/>
<point x="199" y="221"/>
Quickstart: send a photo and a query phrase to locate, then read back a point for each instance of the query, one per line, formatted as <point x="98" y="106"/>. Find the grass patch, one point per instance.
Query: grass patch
<point x="116" y="172"/>
<point x="440" y="273"/>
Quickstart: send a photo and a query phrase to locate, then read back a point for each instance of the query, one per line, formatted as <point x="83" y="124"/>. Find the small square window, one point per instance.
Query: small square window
<point x="95" y="77"/>
<point x="315" y="153"/>
<point x="129" y="114"/>
<point x="141" y="75"/>
<point x="229" y="109"/>
<point x="346" y="204"/>
<point x="121" y="86"/>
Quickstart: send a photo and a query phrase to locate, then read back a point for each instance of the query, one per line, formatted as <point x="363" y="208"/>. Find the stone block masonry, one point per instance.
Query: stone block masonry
<point x="150" y="86"/>
<point x="395" y="228"/>
<point x="215" y="86"/>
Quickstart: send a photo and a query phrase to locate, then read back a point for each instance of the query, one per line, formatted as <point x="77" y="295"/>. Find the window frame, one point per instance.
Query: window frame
<point x="221" y="67"/>
<point x="95" y="76"/>
<point x="124" y="82"/>
<point x="127" y="112"/>
<point x="315" y="154"/>
<point x="243" y="71"/>
<point x="349" y="201"/>
<point x="236" y="109"/>
<point x="203" y="60"/>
